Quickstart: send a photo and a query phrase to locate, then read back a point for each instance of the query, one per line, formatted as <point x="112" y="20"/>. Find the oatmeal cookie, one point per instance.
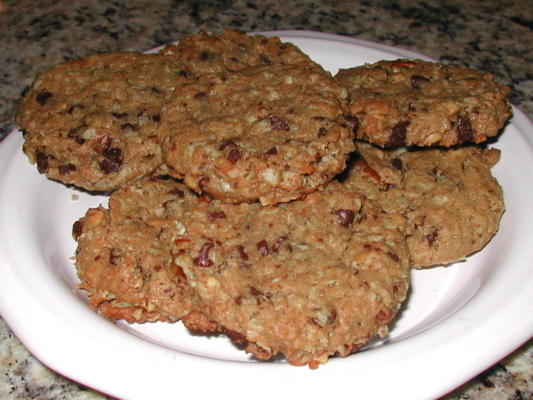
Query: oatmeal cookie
<point x="308" y="279"/>
<point x="205" y="52"/>
<point x="124" y="256"/>
<point x="450" y="200"/>
<point x="414" y="102"/>
<point x="271" y="133"/>
<point x="92" y="122"/>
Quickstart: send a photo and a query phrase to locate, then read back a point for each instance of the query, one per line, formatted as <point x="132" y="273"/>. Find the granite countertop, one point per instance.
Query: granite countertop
<point x="492" y="35"/>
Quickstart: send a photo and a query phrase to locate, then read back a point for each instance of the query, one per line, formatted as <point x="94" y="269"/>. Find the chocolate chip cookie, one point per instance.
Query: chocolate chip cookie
<point x="414" y="102"/>
<point x="271" y="133"/>
<point x="450" y="200"/>
<point x="124" y="258"/>
<point x="92" y="122"/>
<point x="308" y="279"/>
<point x="206" y="52"/>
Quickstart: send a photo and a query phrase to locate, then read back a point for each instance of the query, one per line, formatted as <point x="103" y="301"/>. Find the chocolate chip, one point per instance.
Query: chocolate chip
<point x="42" y="161"/>
<point x="108" y="166"/>
<point x="243" y="256"/>
<point x="430" y="238"/>
<point x="270" y="152"/>
<point x="417" y="80"/>
<point x="278" y="124"/>
<point x="398" y="134"/>
<point x="393" y="256"/>
<point x="114" y="154"/>
<point x="43" y="97"/>
<point x="77" y="229"/>
<point x="234" y="155"/>
<point x="345" y="217"/>
<point x="200" y="96"/>
<point x="262" y="246"/>
<point x="256" y="292"/>
<point x="464" y="129"/>
<point x="66" y="169"/>
<point x="241" y="252"/>
<point x="156" y="117"/>
<point x="219" y="214"/>
<point x="112" y="160"/>
<point x="397" y="163"/>
<point x="203" y="255"/>
<point x="74" y="134"/>
<point x="322" y="132"/>
<point x="206" y="56"/>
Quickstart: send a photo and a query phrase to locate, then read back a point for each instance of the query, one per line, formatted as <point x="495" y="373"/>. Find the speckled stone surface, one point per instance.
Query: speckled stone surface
<point x="492" y="35"/>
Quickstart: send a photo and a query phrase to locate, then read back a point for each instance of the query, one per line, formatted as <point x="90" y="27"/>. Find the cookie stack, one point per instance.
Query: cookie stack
<point x="255" y="195"/>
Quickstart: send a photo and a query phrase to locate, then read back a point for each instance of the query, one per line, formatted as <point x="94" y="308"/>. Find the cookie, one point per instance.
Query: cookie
<point x="450" y="200"/>
<point x="206" y="52"/>
<point x="92" y="122"/>
<point x="307" y="279"/>
<point x="124" y="260"/>
<point x="414" y="102"/>
<point x="272" y="133"/>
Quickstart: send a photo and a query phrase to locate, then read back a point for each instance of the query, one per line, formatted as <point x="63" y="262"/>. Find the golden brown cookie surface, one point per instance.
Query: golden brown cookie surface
<point x="205" y="52"/>
<point x="308" y="279"/>
<point x="414" y="102"/>
<point x="271" y="133"/>
<point x="450" y="200"/>
<point x="92" y="122"/>
<point x="124" y="258"/>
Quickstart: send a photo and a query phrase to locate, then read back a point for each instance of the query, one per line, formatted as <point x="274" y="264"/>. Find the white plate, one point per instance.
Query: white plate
<point x="457" y="321"/>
